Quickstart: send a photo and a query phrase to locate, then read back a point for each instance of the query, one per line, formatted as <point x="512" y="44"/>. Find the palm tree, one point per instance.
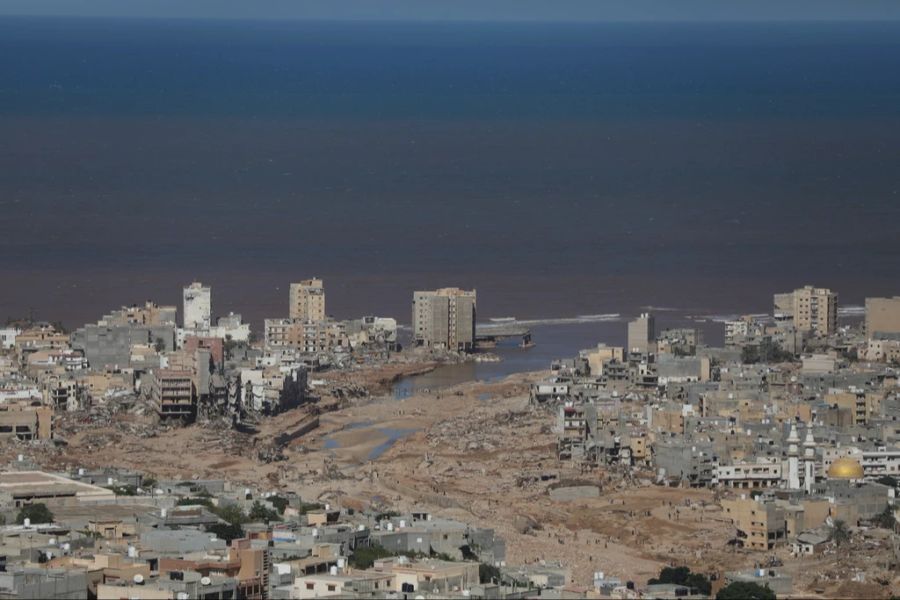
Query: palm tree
<point x="839" y="533"/>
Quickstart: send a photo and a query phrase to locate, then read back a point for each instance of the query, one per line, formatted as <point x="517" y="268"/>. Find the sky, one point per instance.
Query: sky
<point x="490" y="10"/>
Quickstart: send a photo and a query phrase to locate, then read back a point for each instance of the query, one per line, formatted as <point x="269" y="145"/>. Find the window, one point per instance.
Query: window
<point x="310" y="586"/>
<point x="331" y="588"/>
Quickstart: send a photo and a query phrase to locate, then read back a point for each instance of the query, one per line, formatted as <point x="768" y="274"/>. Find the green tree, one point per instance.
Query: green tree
<point x="229" y="347"/>
<point x="159" y="344"/>
<point x="885" y="519"/>
<point x="767" y="352"/>
<point x="231" y="513"/>
<point x="259" y="512"/>
<point x="364" y="558"/>
<point x="305" y="507"/>
<point x="227" y="531"/>
<point x="35" y="513"/>
<point x="749" y="355"/>
<point x="840" y="533"/>
<point x="488" y="573"/>
<point x="745" y="590"/>
<point x="280" y="503"/>
<point x="123" y="490"/>
<point x="196" y="501"/>
<point x="887" y="480"/>
<point x="683" y="576"/>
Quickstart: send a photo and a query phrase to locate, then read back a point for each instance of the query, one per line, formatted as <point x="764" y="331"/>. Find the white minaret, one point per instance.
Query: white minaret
<point x="809" y="460"/>
<point x="793" y="459"/>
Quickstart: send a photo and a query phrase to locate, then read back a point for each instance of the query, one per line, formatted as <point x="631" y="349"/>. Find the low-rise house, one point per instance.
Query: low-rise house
<point x="28" y="487"/>
<point x="44" y="584"/>
<point x="359" y="584"/>
<point x="428" y="575"/>
<point x="178" y="585"/>
<point x="809" y="543"/>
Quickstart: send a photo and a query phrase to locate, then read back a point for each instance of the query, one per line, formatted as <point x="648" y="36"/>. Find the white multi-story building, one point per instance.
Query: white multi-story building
<point x="761" y="474"/>
<point x="8" y="337"/>
<point x="197" y="306"/>
<point x="231" y="327"/>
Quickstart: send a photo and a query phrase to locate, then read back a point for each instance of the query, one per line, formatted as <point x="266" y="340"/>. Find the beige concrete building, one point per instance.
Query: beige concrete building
<point x="860" y="405"/>
<point x="428" y="575"/>
<point x="642" y="334"/>
<point x="359" y="584"/>
<point x="882" y="316"/>
<point x="97" y="385"/>
<point x="148" y="314"/>
<point x="761" y="525"/>
<point x="278" y="333"/>
<point x="444" y="319"/>
<point x="307" y="300"/>
<point x="306" y="336"/>
<point x="21" y="420"/>
<point x="809" y="309"/>
<point x="602" y="354"/>
<point x="42" y="336"/>
<point x="883" y="350"/>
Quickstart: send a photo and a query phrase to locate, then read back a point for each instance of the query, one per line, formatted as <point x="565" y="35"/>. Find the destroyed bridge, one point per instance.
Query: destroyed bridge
<point x="493" y="332"/>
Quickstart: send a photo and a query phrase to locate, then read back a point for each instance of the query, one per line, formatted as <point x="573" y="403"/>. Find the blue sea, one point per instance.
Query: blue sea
<point x="560" y="169"/>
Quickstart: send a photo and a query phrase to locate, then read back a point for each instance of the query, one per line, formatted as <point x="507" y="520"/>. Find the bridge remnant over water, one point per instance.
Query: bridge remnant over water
<point x="493" y="332"/>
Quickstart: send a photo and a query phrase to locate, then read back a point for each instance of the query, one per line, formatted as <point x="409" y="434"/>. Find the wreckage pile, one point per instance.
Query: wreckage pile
<point x="480" y="430"/>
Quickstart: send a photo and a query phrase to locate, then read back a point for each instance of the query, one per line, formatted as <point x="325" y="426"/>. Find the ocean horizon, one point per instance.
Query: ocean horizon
<point x="560" y="169"/>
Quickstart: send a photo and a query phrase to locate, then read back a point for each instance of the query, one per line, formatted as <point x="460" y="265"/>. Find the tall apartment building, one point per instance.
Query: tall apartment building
<point x="197" y="306"/>
<point x="278" y="332"/>
<point x="305" y="336"/>
<point x="307" y="300"/>
<point x="444" y="319"/>
<point x="882" y="316"/>
<point x="809" y="309"/>
<point x="642" y="334"/>
<point x="172" y="393"/>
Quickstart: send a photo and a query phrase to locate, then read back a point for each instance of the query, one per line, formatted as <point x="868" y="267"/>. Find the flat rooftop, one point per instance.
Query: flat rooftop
<point x="40" y="484"/>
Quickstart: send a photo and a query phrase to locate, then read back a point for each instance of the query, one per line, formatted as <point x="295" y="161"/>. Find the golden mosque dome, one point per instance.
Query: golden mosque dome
<point x="845" y="468"/>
